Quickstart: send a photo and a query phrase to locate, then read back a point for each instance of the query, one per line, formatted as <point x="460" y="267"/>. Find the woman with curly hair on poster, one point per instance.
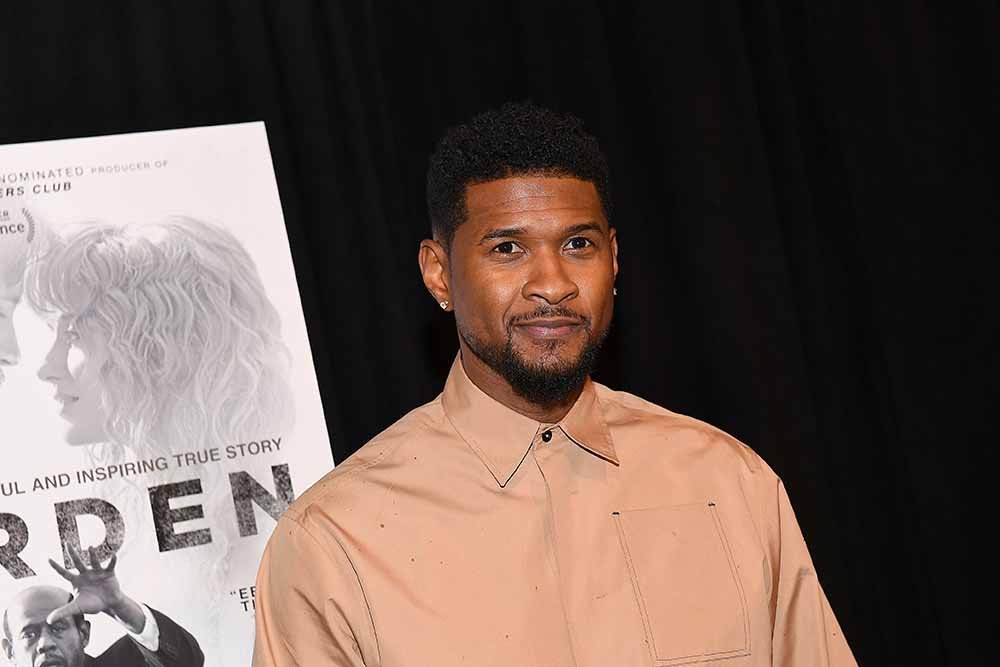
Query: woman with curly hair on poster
<point x="166" y="340"/>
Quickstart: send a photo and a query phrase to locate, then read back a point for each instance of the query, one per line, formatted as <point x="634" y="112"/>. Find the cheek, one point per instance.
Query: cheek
<point x="76" y="362"/>
<point x="494" y="306"/>
<point x="85" y="368"/>
<point x="485" y="294"/>
<point x="599" y="296"/>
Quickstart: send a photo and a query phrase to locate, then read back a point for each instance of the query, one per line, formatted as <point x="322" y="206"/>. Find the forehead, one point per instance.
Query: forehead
<point x="33" y="608"/>
<point x="532" y="199"/>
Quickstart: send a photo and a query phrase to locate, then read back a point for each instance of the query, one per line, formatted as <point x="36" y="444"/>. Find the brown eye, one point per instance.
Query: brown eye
<point x="579" y="243"/>
<point x="506" y="248"/>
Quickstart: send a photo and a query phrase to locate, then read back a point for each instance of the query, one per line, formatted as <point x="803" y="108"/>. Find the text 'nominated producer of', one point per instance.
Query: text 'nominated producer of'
<point x="529" y="516"/>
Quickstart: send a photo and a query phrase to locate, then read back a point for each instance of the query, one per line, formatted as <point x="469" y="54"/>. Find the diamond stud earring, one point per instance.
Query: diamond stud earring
<point x="443" y="304"/>
<point x="614" y="291"/>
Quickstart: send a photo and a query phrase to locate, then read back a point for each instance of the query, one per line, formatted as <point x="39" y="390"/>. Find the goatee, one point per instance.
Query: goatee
<point x="541" y="384"/>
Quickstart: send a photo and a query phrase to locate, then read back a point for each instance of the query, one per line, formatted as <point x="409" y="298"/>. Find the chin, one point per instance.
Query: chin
<point x="555" y="355"/>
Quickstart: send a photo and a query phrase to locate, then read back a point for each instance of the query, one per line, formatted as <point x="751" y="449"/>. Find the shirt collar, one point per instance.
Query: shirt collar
<point x="501" y="437"/>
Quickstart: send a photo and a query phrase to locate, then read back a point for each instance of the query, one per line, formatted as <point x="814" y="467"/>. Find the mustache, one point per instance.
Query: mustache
<point x="543" y="312"/>
<point x="50" y="660"/>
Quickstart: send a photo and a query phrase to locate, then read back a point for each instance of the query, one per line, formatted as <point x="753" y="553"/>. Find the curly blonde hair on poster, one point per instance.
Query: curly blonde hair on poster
<point x="195" y="356"/>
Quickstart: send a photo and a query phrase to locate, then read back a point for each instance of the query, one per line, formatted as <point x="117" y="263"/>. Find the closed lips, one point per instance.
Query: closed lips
<point x="550" y="327"/>
<point x="550" y="324"/>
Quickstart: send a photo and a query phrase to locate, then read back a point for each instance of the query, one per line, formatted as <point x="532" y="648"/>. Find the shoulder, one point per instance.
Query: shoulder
<point x="379" y="457"/>
<point x="123" y="652"/>
<point x="641" y="429"/>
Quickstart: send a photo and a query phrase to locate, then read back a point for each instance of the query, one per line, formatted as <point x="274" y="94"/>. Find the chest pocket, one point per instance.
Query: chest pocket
<point x="685" y="582"/>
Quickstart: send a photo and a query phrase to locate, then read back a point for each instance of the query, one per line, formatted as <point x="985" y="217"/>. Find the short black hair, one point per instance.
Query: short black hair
<point x="518" y="139"/>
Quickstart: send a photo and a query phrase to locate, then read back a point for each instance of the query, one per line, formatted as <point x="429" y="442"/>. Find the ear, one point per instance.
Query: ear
<point x="433" y="260"/>
<point x="613" y="235"/>
<point x="84" y="627"/>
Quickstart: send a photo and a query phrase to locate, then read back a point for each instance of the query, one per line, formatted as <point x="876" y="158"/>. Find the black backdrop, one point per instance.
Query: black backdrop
<point x="801" y="187"/>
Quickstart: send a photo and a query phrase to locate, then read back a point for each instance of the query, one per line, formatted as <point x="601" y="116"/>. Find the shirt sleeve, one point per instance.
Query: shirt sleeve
<point x="311" y="608"/>
<point x="806" y="631"/>
<point x="149" y="638"/>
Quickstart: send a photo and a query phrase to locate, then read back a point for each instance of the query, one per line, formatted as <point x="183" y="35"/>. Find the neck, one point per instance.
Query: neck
<point x="496" y="387"/>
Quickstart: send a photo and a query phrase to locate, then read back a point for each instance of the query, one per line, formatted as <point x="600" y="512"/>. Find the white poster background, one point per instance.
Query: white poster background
<point x="222" y="175"/>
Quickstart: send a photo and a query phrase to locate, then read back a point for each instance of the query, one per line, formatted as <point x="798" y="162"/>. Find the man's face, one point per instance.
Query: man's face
<point x="35" y="643"/>
<point x="531" y="276"/>
<point x="13" y="250"/>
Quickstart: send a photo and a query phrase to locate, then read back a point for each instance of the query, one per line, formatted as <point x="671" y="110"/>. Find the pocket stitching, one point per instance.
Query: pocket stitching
<point x="641" y="603"/>
<point x="735" y="574"/>
<point x="651" y="643"/>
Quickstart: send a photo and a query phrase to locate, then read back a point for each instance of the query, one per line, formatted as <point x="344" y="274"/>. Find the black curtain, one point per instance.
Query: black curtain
<point x="803" y="192"/>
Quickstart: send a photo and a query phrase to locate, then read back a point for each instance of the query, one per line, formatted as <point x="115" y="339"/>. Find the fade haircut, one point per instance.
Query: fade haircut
<point x="518" y="139"/>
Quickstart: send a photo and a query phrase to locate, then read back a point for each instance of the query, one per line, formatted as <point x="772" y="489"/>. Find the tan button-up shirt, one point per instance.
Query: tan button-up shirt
<point x="468" y="534"/>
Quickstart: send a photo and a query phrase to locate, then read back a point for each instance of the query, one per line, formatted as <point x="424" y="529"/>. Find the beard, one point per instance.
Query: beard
<point x="541" y="383"/>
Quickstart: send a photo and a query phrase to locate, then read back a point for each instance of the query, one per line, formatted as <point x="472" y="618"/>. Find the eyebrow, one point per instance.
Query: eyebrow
<point x="503" y="232"/>
<point x="508" y="232"/>
<point x="584" y="227"/>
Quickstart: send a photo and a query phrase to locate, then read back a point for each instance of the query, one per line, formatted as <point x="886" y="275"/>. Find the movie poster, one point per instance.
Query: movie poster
<point x="158" y="402"/>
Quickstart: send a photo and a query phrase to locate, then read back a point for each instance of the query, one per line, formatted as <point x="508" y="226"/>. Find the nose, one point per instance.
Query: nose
<point x="10" y="353"/>
<point x="550" y="279"/>
<point x="46" y="642"/>
<point x="49" y="371"/>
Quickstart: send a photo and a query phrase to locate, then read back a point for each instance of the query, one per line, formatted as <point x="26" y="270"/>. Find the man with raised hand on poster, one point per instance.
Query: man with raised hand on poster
<point x="528" y="515"/>
<point x="44" y="626"/>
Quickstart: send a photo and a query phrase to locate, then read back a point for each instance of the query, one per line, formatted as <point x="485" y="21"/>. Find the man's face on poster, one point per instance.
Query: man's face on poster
<point x="29" y="641"/>
<point x="13" y="253"/>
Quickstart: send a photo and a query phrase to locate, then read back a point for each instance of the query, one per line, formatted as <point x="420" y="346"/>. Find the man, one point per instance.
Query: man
<point x="44" y="626"/>
<point x="17" y="232"/>
<point x="529" y="516"/>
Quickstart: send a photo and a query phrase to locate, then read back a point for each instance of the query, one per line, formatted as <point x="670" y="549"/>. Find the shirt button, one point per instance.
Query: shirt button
<point x="546" y="436"/>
